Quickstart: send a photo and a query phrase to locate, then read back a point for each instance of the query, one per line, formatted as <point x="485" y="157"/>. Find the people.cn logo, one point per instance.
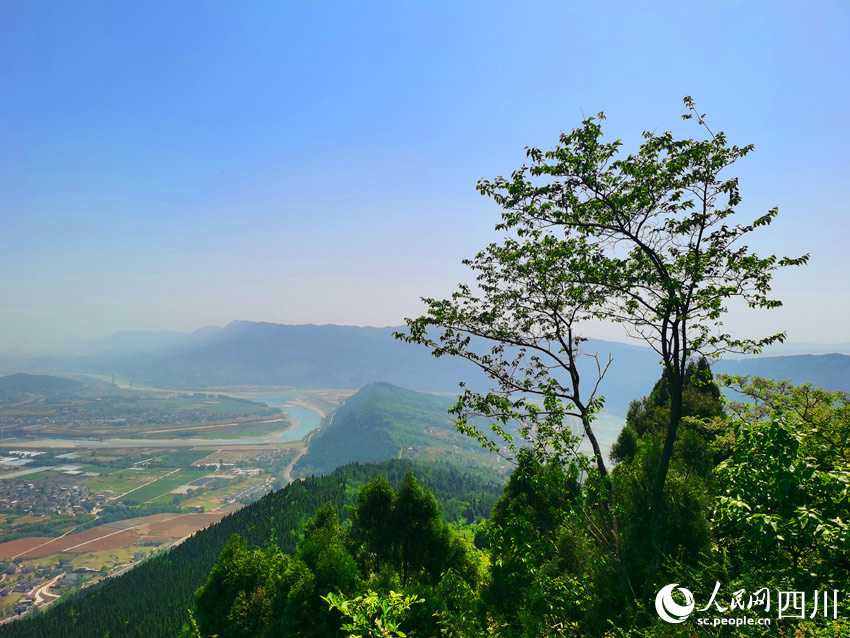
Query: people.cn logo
<point x="669" y="609"/>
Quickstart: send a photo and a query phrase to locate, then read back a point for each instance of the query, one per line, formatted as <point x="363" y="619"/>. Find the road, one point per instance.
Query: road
<point x="215" y="425"/>
<point x="41" y="594"/>
<point x="287" y="472"/>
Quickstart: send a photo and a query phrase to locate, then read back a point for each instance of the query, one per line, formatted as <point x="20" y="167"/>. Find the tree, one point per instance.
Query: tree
<point x="687" y="500"/>
<point x="538" y="574"/>
<point x="403" y="529"/>
<point x="236" y="599"/>
<point x="823" y="415"/>
<point x="645" y="241"/>
<point x="370" y="526"/>
<point x="323" y="548"/>
<point x="649" y="415"/>
<point x="783" y="497"/>
<point x="422" y="538"/>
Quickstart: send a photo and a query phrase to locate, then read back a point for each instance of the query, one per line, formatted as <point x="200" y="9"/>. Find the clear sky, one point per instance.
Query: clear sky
<point x="170" y="165"/>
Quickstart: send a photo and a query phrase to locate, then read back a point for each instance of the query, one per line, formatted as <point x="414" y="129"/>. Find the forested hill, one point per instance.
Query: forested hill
<point x="383" y="421"/>
<point x="38" y="384"/>
<point x="151" y="600"/>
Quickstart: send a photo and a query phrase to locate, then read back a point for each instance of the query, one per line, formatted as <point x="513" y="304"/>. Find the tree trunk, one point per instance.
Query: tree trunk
<point x="657" y="508"/>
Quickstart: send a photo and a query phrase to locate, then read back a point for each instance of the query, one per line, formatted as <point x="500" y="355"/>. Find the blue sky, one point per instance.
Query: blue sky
<point x="169" y="165"/>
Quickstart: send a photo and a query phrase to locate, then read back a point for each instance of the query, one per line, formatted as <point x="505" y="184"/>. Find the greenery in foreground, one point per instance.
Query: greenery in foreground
<point x="757" y="499"/>
<point x="649" y="240"/>
<point x="396" y="540"/>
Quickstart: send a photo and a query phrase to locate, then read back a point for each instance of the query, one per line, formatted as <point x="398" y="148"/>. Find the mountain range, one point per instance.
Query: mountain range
<point x="330" y="356"/>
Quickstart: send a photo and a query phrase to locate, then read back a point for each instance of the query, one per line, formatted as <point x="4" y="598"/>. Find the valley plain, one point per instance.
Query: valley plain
<point x="95" y="478"/>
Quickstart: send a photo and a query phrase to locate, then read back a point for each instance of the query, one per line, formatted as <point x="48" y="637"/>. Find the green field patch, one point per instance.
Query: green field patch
<point x="122" y="480"/>
<point x="105" y="411"/>
<point x="13" y="526"/>
<point x="290" y="445"/>
<point x="164" y="486"/>
<point x="208" y="504"/>
<point x="241" y="430"/>
<point x="108" y="558"/>
<point x="164" y="499"/>
<point x="51" y="559"/>
<point x="38" y="475"/>
<point x="95" y="458"/>
<point x="179" y="457"/>
<point x="104" y="470"/>
<point x="213" y="499"/>
<point x="7" y="603"/>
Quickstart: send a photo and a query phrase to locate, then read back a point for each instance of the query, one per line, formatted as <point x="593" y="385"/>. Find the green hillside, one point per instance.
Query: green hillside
<point x="152" y="600"/>
<point x="384" y="421"/>
<point x="38" y="384"/>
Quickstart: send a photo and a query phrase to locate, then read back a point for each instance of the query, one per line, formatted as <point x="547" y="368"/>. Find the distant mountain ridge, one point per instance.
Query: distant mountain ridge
<point x="302" y="356"/>
<point x="331" y="356"/>
<point x="828" y="371"/>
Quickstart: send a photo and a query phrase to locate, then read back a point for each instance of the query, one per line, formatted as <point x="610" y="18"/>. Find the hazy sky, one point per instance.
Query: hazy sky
<point x="169" y="165"/>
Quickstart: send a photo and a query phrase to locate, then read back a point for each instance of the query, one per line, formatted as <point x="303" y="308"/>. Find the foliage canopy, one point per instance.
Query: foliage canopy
<point x="646" y="241"/>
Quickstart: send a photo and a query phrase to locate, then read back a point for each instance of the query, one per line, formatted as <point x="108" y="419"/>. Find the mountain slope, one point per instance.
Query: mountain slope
<point x="350" y="357"/>
<point x="384" y="421"/>
<point x="145" y="342"/>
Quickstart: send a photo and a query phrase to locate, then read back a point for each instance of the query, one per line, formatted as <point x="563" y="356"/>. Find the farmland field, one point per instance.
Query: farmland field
<point x="111" y="536"/>
<point x="163" y="485"/>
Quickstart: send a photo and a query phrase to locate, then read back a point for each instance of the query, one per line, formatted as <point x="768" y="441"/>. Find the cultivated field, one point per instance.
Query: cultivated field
<point x="162" y="528"/>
